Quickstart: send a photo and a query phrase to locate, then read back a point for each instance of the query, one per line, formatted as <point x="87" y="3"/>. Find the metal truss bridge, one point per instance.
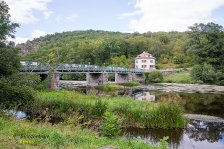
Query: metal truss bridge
<point x="44" y="68"/>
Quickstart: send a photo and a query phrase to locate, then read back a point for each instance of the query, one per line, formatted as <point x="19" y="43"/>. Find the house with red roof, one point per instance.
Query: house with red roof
<point x="145" y="61"/>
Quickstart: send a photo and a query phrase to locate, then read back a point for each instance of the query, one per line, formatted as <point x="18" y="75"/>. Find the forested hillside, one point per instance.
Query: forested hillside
<point x="108" y="48"/>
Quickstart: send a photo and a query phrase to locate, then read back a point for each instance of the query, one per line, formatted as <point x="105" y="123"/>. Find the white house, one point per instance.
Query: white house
<point x="145" y="61"/>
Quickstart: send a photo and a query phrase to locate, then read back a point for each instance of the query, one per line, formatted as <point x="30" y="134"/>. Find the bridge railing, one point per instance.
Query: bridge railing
<point x="73" y="68"/>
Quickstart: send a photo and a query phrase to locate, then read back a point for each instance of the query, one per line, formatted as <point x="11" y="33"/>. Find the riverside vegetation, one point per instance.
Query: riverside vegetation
<point x="24" y="134"/>
<point x="135" y="113"/>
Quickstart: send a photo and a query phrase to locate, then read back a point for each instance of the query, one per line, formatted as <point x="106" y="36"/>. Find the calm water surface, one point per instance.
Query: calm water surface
<point x="197" y="134"/>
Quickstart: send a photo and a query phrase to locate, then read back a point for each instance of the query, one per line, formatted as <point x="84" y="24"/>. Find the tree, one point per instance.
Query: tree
<point x="9" y="60"/>
<point x="7" y="28"/>
<point x="13" y="87"/>
<point x="206" y="44"/>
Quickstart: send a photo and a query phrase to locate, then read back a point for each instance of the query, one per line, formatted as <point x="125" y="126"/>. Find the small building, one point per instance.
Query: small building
<point x="145" y="61"/>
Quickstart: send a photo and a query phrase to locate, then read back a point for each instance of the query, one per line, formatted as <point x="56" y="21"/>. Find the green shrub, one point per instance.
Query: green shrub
<point x="164" y="115"/>
<point x="205" y="73"/>
<point x="14" y="94"/>
<point x="111" y="126"/>
<point x="99" y="108"/>
<point x="110" y="87"/>
<point x="132" y="83"/>
<point x="153" y="77"/>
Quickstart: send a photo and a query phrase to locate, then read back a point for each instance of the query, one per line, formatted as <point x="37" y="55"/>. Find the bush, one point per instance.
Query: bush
<point x="110" y="87"/>
<point x="132" y="83"/>
<point x="111" y="126"/>
<point x="153" y="77"/>
<point x="99" y="108"/>
<point x="205" y="73"/>
<point x="13" y="94"/>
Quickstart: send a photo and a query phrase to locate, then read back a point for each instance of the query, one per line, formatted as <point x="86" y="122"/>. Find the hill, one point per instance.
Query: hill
<point x="107" y="48"/>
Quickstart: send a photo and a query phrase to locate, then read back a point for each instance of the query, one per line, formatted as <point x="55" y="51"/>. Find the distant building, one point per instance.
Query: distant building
<point x="145" y="61"/>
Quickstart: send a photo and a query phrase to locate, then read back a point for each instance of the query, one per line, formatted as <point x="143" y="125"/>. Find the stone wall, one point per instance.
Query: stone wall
<point x="123" y="78"/>
<point x="95" y="79"/>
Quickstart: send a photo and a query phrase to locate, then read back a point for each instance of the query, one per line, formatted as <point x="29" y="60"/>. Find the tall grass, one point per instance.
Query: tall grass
<point x="65" y="103"/>
<point x="23" y="134"/>
<point x="179" y="77"/>
<point x="132" y="83"/>
<point x="110" y="87"/>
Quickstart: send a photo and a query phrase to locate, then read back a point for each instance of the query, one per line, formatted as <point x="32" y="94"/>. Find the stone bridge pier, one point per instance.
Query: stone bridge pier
<point x="54" y="81"/>
<point x="138" y="77"/>
<point x="96" y="79"/>
<point x="123" y="78"/>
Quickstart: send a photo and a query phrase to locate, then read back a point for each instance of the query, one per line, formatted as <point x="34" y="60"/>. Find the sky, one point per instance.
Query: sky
<point x="40" y="17"/>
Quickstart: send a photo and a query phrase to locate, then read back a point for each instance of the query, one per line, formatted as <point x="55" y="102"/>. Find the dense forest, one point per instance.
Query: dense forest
<point x="108" y="48"/>
<point x="201" y="47"/>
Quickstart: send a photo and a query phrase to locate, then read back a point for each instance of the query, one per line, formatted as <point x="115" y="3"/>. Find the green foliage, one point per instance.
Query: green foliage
<point x="7" y="28"/>
<point x="18" y="134"/>
<point x="104" y="48"/>
<point x="119" y="61"/>
<point x="13" y="94"/>
<point x="153" y="77"/>
<point x="132" y="83"/>
<point x="110" y="87"/>
<point x="179" y="77"/>
<point x="111" y="126"/>
<point x="128" y="109"/>
<point x="99" y="108"/>
<point x="15" y="89"/>
<point x="205" y="73"/>
<point x="206" y="44"/>
<point x="9" y="61"/>
<point x="164" y="115"/>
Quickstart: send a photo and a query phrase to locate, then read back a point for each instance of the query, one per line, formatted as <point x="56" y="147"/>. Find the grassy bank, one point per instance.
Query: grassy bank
<point x="179" y="77"/>
<point x="131" y="112"/>
<point x="25" y="135"/>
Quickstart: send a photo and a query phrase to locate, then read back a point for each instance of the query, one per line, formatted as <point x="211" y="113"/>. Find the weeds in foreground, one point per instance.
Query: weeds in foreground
<point x="23" y="134"/>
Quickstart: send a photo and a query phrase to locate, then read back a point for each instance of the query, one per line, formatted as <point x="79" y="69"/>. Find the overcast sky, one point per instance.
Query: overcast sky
<point x="40" y="17"/>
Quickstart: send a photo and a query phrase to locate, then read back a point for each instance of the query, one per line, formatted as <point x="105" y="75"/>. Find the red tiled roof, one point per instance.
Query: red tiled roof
<point x="145" y="55"/>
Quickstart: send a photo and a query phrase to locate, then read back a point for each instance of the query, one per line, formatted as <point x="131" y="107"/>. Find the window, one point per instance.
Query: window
<point x="143" y="61"/>
<point x="151" y="61"/>
<point x="136" y="66"/>
<point x="136" y="61"/>
<point x="143" y="66"/>
<point x="151" y="66"/>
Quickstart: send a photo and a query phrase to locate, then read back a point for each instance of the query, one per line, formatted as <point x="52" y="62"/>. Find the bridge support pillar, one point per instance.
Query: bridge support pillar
<point x="54" y="81"/>
<point x="139" y="77"/>
<point x="95" y="79"/>
<point x="123" y="77"/>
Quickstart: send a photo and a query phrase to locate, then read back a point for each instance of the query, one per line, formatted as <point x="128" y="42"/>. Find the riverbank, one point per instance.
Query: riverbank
<point x="24" y="134"/>
<point x="204" y="118"/>
<point x="131" y="112"/>
<point x="187" y="88"/>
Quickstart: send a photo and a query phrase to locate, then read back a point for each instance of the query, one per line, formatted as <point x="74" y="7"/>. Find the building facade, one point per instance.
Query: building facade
<point x="145" y="61"/>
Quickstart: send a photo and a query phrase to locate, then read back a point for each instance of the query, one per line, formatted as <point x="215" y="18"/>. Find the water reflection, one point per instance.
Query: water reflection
<point x="144" y="96"/>
<point x="196" y="103"/>
<point x="209" y="134"/>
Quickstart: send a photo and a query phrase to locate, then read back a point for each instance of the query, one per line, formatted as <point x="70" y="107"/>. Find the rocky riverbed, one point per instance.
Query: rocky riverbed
<point x="204" y="118"/>
<point x="188" y="88"/>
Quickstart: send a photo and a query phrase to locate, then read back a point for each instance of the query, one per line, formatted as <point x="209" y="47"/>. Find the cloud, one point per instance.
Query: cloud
<point x="22" y="10"/>
<point x="38" y="33"/>
<point x="18" y="40"/>
<point x="73" y="17"/>
<point x="129" y="14"/>
<point x="47" y="14"/>
<point x="170" y="15"/>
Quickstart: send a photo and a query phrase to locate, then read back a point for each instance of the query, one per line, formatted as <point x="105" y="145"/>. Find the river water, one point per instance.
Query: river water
<point x="198" y="134"/>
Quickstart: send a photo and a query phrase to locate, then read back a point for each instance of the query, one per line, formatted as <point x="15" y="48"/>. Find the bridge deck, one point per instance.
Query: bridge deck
<point x="35" y="67"/>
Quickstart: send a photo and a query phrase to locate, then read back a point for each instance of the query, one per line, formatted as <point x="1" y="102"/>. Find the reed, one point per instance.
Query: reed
<point x="65" y="103"/>
<point x="23" y="134"/>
